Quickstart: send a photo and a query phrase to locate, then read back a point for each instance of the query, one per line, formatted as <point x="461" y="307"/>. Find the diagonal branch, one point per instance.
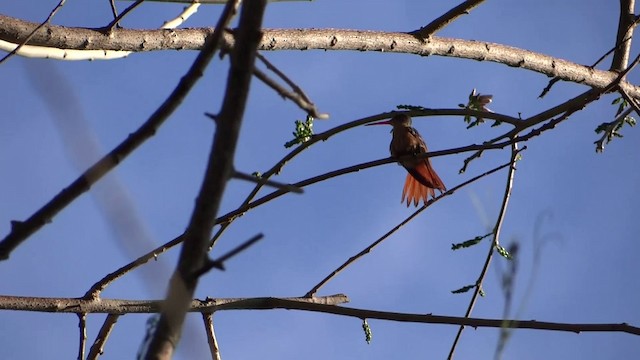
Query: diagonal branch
<point x="33" y="32"/>
<point x="494" y="244"/>
<point x="98" y="344"/>
<point x="446" y="19"/>
<point x="193" y="257"/>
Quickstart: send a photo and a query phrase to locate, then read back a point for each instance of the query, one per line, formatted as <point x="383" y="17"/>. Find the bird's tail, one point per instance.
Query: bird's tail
<point x="421" y="183"/>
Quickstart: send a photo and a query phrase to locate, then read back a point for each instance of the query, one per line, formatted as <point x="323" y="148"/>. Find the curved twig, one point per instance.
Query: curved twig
<point x="494" y="244"/>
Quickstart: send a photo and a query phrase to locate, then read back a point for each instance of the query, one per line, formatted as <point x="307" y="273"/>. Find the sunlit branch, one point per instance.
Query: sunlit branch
<point x="16" y="30"/>
<point x="446" y="19"/>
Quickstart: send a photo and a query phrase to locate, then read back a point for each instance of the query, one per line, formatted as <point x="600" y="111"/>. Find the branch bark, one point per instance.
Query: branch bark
<point x="193" y="257"/>
<point x="326" y="305"/>
<point x="15" y="30"/>
<point x="626" y="25"/>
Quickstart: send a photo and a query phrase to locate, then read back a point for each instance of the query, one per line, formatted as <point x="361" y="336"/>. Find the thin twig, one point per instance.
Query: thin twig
<point x="97" y="348"/>
<point x="284" y="77"/>
<point x="626" y="25"/>
<point x="219" y="263"/>
<point x="446" y="19"/>
<point x="302" y="103"/>
<point x="368" y="249"/>
<point x="632" y="102"/>
<point x="114" y="23"/>
<point x="82" y="325"/>
<point x="98" y="287"/>
<point x="325" y="305"/>
<point x="33" y="32"/>
<point x="298" y="96"/>
<point x="494" y="244"/>
<point x="271" y="183"/>
<point x="15" y="30"/>
<point x="114" y="10"/>
<point x="211" y="336"/>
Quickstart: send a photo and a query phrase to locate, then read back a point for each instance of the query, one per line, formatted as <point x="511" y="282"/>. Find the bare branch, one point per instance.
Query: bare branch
<point x="326" y="305"/>
<point x="219" y="168"/>
<point x="33" y="32"/>
<point x="98" y="345"/>
<point x="219" y="263"/>
<point x="295" y="97"/>
<point x="211" y="336"/>
<point x="446" y="19"/>
<point x="259" y="180"/>
<point x="15" y="30"/>
<point x="494" y="244"/>
<point x="298" y="96"/>
<point x="109" y="28"/>
<point x="82" y="324"/>
<point x="626" y="25"/>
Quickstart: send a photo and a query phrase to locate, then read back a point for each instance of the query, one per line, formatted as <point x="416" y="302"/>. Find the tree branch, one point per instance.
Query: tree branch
<point x="98" y="345"/>
<point x="494" y="244"/>
<point x="15" y="30"/>
<point x="193" y="257"/>
<point x="626" y="25"/>
<point x="325" y="305"/>
<point x="446" y="19"/>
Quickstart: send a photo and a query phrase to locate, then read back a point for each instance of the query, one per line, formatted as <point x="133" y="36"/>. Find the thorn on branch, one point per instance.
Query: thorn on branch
<point x="213" y="117"/>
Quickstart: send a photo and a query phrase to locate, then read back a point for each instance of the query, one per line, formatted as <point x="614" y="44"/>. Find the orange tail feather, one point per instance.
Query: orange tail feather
<point x="421" y="183"/>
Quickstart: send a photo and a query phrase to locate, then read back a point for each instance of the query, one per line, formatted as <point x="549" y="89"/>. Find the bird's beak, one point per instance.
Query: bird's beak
<point x="388" y="122"/>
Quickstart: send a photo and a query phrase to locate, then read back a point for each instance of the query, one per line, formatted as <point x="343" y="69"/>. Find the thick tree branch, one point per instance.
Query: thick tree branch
<point x="193" y="257"/>
<point x="626" y="25"/>
<point x="16" y="30"/>
<point x="122" y="307"/>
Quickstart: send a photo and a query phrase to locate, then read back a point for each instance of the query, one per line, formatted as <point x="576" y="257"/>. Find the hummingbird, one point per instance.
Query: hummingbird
<point x="422" y="180"/>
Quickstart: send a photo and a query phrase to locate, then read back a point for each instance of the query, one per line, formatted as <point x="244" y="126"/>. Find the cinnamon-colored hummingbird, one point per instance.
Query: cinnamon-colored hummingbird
<point x="421" y="180"/>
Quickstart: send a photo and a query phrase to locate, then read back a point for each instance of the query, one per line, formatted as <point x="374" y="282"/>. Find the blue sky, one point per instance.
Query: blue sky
<point x="581" y="206"/>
